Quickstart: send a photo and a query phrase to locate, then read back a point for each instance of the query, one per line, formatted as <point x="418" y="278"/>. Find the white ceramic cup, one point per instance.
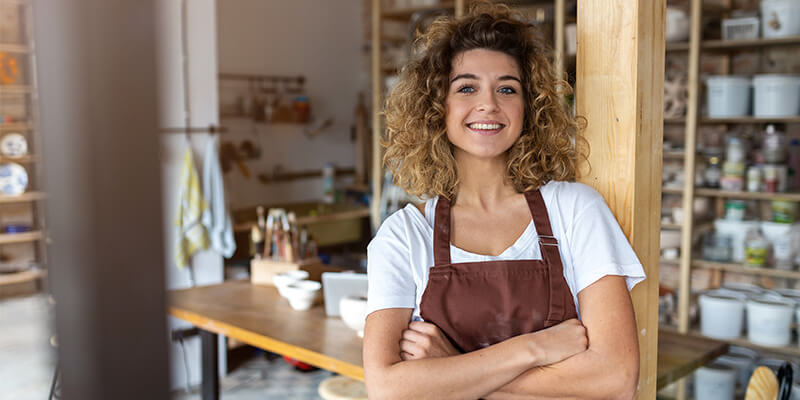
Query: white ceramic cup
<point x="353" y="310"/>
<point x="302" y="294"/>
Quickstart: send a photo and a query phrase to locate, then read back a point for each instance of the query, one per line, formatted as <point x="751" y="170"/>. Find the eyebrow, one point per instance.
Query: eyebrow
<point x="473" y="76"/>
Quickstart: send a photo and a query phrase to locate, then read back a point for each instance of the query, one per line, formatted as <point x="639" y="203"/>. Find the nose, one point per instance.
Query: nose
<point x="486" y="102"/>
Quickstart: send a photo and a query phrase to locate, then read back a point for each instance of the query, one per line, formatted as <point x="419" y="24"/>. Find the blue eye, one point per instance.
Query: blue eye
<point x="507" y="90"/>
<point x="465" y="89"/>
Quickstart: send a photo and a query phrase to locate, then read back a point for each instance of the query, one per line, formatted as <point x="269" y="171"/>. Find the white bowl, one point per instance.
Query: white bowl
<point x="353" y="310"/>
<point x="302" y="294"/>
<point x="284" y="279"/>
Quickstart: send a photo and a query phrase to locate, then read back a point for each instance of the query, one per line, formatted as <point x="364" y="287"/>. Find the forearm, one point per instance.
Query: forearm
<point x="587" y="375"/>
<point x="465" y="376"/>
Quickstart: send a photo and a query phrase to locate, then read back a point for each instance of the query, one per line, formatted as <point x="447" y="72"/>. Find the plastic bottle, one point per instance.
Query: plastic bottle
<point x="774" y="146"/>
<point x="756" y="249"/>
<point x="328" y="174"/>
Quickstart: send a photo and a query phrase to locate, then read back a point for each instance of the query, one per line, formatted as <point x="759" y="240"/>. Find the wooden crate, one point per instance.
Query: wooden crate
<point x="262" y="270"/>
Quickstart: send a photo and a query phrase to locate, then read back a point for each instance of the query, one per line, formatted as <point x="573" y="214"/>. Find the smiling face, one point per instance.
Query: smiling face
<point x="485" y="103"/>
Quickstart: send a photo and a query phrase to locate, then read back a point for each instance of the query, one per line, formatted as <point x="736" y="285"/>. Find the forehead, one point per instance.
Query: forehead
<point x="481" y="62"/>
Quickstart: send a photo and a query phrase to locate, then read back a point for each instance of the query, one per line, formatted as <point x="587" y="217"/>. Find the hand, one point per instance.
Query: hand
<point x="559" y="342"/>
<point x="424" y="340"/>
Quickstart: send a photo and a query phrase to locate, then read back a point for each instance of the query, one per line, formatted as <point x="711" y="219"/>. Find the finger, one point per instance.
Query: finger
<point x="411" y="348"/>
<point x="406" y="356"/>
<point x="423" y="327"/>
<point x="414" y="336"/>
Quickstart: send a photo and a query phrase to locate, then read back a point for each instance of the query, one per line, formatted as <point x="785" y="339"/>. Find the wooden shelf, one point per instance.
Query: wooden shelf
<point x="750" y="120"/>
<point x="677" y="46"/>
<point x="673" y="154"/>
<point x="9" y="238"/>
<point x="359" y="213"/>
<point x="406" y="13"/>
<point x="15" y="89"/>
<point x="746" y="195"/>
<point x="23" y="159"/>
<point x="17" y="126"/>
<point x="742" y="269"/>
<point x="29" y="196"/>
<point x="792" y="349"/>
<point x="14" y="48"/>
<point x="749" y="43"/>
<point x="21" y="277"/>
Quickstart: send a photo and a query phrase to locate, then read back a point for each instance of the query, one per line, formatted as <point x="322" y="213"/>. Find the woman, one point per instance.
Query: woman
<point x="476" y="292"/>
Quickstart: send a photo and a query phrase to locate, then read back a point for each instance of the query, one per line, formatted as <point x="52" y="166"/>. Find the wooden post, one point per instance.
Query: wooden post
<point x="377" y="116"/>
<point x="620" y="78"/>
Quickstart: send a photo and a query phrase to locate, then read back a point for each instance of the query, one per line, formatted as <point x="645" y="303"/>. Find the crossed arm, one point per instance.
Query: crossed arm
<point x="596" y="359"/>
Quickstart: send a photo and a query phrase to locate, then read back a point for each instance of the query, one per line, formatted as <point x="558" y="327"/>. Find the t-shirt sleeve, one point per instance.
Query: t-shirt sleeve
<point x="599" y="247"/>
<point x="389" y="272"/>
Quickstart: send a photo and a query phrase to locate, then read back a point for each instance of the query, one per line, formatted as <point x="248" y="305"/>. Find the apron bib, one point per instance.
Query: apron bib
<point x="478" y="304"/>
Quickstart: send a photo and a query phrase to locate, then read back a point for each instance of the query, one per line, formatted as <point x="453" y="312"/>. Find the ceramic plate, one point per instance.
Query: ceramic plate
<point x="13" y="179"/>
<point x="13" y="145"/>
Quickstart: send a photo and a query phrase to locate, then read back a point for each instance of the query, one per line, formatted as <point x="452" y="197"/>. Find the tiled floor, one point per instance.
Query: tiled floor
<point x="27" y="362"/>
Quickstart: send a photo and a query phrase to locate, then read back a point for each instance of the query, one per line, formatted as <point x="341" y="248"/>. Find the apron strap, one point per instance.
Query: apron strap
<point x="441" y="232"/>
<point x="548" y="245"/>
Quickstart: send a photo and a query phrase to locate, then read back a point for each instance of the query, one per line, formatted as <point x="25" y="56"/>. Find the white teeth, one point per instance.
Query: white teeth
<point x="486" y="127"/>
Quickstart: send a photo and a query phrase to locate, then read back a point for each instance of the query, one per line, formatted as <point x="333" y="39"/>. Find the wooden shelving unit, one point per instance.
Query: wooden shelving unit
<point x="792" y="350"/>
<point x="690" y="260"/>
<point x="26" y="86"/>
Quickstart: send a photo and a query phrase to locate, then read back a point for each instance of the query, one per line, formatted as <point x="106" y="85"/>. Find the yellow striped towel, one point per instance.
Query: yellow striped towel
<point x="191" y="234"/>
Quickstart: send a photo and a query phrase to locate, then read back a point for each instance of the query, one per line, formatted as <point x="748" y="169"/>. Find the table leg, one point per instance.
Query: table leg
<point x="210" y="365"/>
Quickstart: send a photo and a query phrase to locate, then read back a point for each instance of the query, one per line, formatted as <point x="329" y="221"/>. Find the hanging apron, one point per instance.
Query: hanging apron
<point x="478" y="304"/>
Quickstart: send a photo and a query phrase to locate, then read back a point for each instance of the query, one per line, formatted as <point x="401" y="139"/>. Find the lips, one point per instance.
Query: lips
<point x="485" y="127"/>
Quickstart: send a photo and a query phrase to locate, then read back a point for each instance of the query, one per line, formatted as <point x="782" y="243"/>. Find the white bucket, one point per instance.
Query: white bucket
<point x="728" y="96"/>
<point x="715" y="382"/>
<point x="721" y="315"/>
<point x="780" y="18"/>
<point x="780" y="236"/>
<point x="776" y="95"/>
<point x="737" y="230"/>
<point x="769" y="321"/>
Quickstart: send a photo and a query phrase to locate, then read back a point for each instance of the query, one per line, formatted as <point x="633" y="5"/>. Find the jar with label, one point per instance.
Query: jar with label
<point x="770" y="178"/>
<point x="756" y="249"/>
<point x="753" y="179"/>
<point x="774" y="146"/>
<point x="783" y="211"/>
<point x="712" y="173"/>
<point x="735" y="210"/>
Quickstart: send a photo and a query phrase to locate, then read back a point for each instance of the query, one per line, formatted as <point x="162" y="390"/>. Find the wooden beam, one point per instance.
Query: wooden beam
<point x="377" y="106"/>
<point x="688" y="166"/>
<point x="620" y="77"/>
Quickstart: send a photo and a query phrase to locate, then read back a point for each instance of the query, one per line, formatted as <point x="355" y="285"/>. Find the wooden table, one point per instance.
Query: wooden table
<point x="258" y="316"/>
<point x="679" y="354"/>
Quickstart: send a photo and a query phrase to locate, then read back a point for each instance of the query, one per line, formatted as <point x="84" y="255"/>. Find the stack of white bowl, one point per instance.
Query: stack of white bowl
<point x="295" y="287"/>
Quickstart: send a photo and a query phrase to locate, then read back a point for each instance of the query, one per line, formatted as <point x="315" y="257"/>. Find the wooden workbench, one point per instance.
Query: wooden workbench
<point x="258" y="316"/>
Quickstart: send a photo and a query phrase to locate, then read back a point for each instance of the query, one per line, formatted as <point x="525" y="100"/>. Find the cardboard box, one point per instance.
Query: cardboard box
<point x="262" y="270"/>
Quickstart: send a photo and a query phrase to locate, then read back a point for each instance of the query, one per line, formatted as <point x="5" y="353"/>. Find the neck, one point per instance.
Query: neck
<point x="483" y="182"/>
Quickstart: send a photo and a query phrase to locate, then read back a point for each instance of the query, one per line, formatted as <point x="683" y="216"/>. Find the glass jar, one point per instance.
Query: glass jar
<point x="717" y="247"/>
<point x="712" y="173"/>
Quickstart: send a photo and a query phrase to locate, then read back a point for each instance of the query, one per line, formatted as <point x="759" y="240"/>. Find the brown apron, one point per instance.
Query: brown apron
<point x="478" y="304"/>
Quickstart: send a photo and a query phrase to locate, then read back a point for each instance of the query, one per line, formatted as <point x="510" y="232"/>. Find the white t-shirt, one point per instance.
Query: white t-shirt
<point x="591" y="245"/>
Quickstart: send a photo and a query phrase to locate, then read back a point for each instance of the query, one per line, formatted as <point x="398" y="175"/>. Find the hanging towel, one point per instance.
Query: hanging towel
<point x="191" y="234"/>
<point x="216" y="217"/>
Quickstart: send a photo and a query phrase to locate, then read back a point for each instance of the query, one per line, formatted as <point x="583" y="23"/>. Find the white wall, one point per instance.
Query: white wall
<point x="321" y="40"/>
<point x="201" y="38"/>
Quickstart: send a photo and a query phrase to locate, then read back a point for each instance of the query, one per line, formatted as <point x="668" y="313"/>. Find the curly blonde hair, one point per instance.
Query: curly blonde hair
<point x="418" y="152"/>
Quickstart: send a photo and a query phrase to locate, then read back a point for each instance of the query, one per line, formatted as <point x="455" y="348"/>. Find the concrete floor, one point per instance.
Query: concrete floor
<point x="27" y="362"/>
